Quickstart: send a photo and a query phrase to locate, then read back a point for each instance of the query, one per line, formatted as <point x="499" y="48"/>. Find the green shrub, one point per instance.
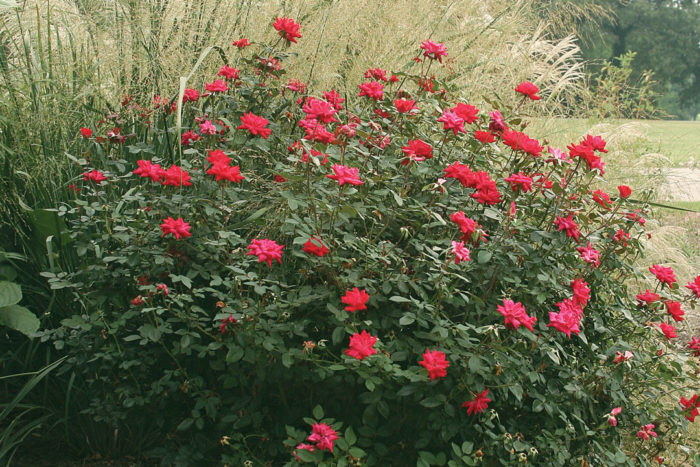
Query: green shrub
<point x="346" y="294"/>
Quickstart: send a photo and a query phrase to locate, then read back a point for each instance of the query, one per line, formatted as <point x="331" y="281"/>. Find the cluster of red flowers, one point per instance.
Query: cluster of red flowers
<point x="516" y="315"/>
<point x="469" y="228"/>
<point x="321" y="112"/>
<point x="586" y="150"/>
<point x="323" y="435"/>
<point x="174" y="176"/>
<point x="519" y="141"/>
<point x="691" y="407"/>
<point x="221" y="168"/>
<point x="486" y="189"/>
<point x="568" y="319"/>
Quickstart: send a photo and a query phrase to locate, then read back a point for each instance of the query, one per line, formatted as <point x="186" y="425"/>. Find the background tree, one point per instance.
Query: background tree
<point x="665" y="34"/>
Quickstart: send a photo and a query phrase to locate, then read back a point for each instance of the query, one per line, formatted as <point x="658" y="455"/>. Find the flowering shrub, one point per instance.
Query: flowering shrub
<point x="417" y="274"/>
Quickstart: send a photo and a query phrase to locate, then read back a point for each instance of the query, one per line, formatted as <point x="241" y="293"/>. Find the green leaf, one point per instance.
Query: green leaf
<point x="317" y="412"/>
<point x="475" y="365"/>
<point x="357" y="452"/>
<point x="350" y="436"/>
<point x="467" y="447"/>
<point x="430" y="402"/>
<point x="182" y="279"/>
<point x="234" y="354"/>
<point x="399" y="299"/>
<point x="10" y="293"/>
<point x="483" y="256"/>
<point x="150" y="332"/>
<point x="305" y="456"/>
<point x="19" y="318"/>
<point x="407" y="319"/>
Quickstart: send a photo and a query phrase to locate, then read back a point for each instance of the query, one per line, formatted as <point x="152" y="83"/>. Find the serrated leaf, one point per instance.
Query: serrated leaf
<point x="317" y="412"/>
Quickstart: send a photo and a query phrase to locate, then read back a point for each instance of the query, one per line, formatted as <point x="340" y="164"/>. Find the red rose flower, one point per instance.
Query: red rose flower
<point x="451" y="121"/>
<point x="674" y="309"/>
<point x="177" y="227"/>
<point x="218" y="157"/>
<point x="690" y="407"/>
<point x="86" y="132"/>
<point x="376" y="73"/>
<point x="528" y="89"/>
<point x="320" y="110"/>
<point x="581" y="291"/>
<point x="668" y="330"/>
<point x="694" y="286"/>
<point x="147" y="169"/>
<point x="417" y="150"/>
<point x="520" y="180"/>
<point x="433" y="50"/>
<point x="435" y="362"/>
<point x="175" y="176"/>
<point x="589" y="255"/>
<point x="484" y="136"/>
<point x="334" y="99"/>
<point x="516" y="315"/>
<point x="228" y="72"/>
<point x="361" y="345"/>
<point x="137" y="300"/>
<point x="190" y="95"/>
<point x="602" y="198"/>
<point x="694" y="344"/>
<point x="188" y="137"/>
<point x="217" y="86"/>
<point x="521" y="142"/>
<point x="496" y="123"/>
<point x="647" y="297"/>
<point x="663" y="274"/>
<point x="372" y="89"/>
<point x="324" y="436"/>
<point x="568" y="319"/>
<point x="226" y="172"/>
<point x="405" y="105"/>
<point x="255" y="124"/>
<point x="460" y="251"/>
<point x="646" y="431"/>
<point x="466" y="112"/>
<point x="355" y="299"/>
<point x="569" y="225"/>
<point x="287" y="28"/>
<point x="345" y="174"/>
<point x="478" y="404"/>
<point x="266" y="250"/>
<point x="94" y="176"/>
<point x="625" y="191"/>
<point x="314" y="246"/>
<point x="241" y="43"/>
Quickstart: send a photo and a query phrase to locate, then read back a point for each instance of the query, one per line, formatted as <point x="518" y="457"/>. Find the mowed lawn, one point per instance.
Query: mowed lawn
<point x="677" y="140"/>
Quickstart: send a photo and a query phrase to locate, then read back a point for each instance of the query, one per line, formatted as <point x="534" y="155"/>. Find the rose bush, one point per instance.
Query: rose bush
<point x="377" y="275"/>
